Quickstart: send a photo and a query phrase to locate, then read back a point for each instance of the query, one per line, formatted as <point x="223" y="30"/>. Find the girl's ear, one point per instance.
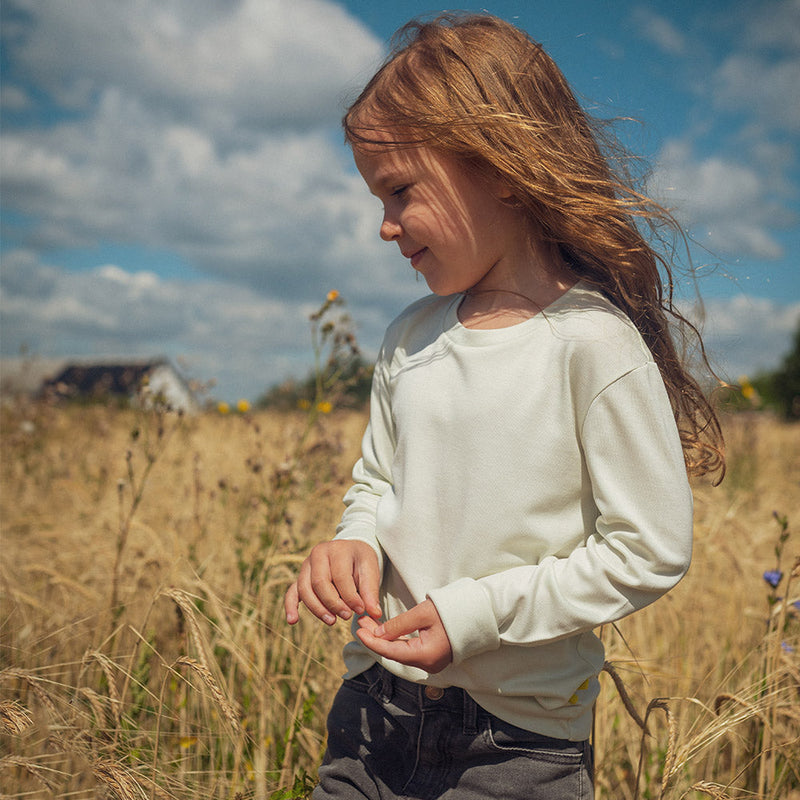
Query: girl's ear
<point x="503" y="190"/>
<point x="500" y="189"/>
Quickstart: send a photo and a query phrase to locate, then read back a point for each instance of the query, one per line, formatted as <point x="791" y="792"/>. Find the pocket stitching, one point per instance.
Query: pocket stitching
<point x="554" y="756"/>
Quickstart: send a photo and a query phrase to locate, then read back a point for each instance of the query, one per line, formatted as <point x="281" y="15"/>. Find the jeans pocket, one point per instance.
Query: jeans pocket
<point x="535" y="766"/>
<point x="502" y="736"/>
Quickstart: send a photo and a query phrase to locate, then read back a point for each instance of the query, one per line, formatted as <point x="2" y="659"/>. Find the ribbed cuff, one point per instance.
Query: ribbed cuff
<point x="468" y="618"/>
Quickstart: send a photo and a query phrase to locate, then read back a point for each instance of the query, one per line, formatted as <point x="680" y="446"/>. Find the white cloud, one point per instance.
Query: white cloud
<point x="732" y="176"/>
<point x="660" y="31"/>
<point x="728" y="205"/>
<point x="286" y="211"/>
<point x="192" y="139"/>
<point x="221" y="64"/>
<point x="767" y="90"/>
<point x="777" y="26"/>
<point x="747" y="335"/>
<point x="12" y="98"/>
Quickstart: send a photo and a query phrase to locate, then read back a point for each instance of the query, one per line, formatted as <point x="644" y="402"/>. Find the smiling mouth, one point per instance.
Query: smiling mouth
<point x="415" y="257"/>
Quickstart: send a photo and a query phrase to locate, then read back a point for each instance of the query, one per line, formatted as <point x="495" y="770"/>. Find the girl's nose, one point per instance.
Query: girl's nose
<point x="390" y="230"/>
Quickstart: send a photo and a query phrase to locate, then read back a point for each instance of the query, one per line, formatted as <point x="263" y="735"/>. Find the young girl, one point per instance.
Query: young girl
<point x="523" y="479"/>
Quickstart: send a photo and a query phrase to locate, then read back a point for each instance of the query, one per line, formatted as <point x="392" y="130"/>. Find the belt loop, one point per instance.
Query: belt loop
<point x="387" y="685"/>
<point x="470" y="714"/>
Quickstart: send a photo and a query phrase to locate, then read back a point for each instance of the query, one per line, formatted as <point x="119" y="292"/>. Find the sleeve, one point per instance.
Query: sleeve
<point x="372" y="473"/>
<point x="640" y="546"/>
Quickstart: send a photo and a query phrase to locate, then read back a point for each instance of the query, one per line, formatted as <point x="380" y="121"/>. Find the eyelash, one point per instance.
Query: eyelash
<point x="399" y="191"/>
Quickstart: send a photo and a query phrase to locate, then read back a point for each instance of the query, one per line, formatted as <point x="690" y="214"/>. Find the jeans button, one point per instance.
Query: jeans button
<point x="434" y="692"/>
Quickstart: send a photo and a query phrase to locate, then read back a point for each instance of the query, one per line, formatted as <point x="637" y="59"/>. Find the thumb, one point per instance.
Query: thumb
<point x="403" y="624"/>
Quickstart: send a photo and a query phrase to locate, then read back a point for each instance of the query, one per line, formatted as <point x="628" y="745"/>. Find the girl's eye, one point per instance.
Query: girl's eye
<point x="399" y="191"/>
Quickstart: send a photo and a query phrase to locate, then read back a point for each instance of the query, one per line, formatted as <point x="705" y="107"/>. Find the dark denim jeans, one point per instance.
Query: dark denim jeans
<point x="389" y="738"/>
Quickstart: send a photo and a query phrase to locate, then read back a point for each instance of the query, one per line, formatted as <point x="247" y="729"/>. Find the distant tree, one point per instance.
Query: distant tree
<point x="786" y="381"/>
<point x="780" y="389"/>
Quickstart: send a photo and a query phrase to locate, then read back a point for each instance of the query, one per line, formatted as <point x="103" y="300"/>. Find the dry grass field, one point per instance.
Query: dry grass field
<point x="143" y="652"/>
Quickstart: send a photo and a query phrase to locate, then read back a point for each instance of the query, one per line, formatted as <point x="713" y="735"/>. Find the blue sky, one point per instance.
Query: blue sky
<point x="174" y="183"/>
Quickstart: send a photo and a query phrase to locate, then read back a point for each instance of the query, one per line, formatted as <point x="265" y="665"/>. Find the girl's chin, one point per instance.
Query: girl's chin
<point x="442" y="291"/>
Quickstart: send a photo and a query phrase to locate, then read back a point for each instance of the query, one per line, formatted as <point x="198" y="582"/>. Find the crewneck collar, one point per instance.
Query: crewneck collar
<point x="478" y="337"/>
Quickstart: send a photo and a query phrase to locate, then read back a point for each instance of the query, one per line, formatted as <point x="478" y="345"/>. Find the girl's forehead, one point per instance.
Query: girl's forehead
<point x="381" y="166"/>
<point x="380" y="162"/>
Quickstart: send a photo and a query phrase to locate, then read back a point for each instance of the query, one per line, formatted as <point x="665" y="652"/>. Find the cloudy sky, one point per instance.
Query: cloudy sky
<point x="174" y="181"/>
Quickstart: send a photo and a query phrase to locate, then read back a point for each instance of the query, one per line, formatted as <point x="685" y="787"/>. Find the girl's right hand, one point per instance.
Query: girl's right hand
<point x="338" y="579"/>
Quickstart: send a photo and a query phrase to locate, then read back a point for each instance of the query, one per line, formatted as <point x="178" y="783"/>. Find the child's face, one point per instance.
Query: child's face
<point x="452" y="224"/>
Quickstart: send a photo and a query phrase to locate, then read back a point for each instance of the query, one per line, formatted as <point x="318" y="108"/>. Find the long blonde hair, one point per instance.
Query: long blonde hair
<point x="478" y="88"/>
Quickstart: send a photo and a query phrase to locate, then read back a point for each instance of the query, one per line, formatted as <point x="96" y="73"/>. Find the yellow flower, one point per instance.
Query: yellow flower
<point x="187" y="742"/>
<point x="332" y="295"/>
<point x="223" y="408"/>
<point x="324" y="407"/>
<point x="303" y="404"/>
<point x="243" y="406"/>
<point x="747" y="389"/>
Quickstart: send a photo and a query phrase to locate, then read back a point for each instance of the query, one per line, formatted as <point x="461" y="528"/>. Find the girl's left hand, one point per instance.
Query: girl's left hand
<point x="429" y="650"/>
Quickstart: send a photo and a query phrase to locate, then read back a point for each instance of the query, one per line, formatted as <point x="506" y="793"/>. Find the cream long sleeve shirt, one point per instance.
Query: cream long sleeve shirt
<point x="530" y="481"/>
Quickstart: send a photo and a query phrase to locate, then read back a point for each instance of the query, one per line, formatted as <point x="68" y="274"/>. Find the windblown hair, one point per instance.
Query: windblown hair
<point x="479" y="89"/>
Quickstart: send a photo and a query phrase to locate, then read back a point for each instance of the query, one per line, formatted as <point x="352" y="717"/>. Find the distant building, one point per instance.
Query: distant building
<point x="133" y="381"/>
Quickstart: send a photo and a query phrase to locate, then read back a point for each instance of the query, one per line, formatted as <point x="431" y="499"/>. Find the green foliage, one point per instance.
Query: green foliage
<point x="778" y="390"/>
<point x="293" y="394"/>
<point x="341" y="378"/>
<point x="783" y="385"/>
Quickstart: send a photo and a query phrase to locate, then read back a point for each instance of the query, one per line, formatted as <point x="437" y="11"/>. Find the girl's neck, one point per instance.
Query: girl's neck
<point x="501" y="300"/>
<point x="502" y="308"/>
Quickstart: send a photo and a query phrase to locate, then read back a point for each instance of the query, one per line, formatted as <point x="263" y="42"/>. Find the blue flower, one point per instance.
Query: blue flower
<point x="773" y="577"/>
<point x="787" y="648"/>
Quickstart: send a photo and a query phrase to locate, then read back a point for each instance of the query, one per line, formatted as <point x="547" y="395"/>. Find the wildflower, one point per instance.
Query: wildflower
<point x="773" y="577"/>
<point x="223" y="408"/>
<point x="303" y="404"/>
<point x="749" y="392"/>
<point x="243" y="406"/>
<point x="333" y="295"/>
<point x="324" y="407"/>
<point x="787" y="648"/>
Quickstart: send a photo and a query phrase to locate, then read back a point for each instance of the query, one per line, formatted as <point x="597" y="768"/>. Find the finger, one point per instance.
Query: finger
<point x="332" y="580"/>
<point x="400" y="650"/>
<point x="414" y="619"/>
<point x="369" y="583"/>
<point x="291" y="604"/>
<point x="308" y="591"/>
<point x="343" y="570"/>
<point x="430" y="650"/>
<point x="369" y="624"/>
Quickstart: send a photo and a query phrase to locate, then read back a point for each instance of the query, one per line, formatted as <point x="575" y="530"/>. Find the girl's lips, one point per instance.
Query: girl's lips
<point x="415" y="259"/>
